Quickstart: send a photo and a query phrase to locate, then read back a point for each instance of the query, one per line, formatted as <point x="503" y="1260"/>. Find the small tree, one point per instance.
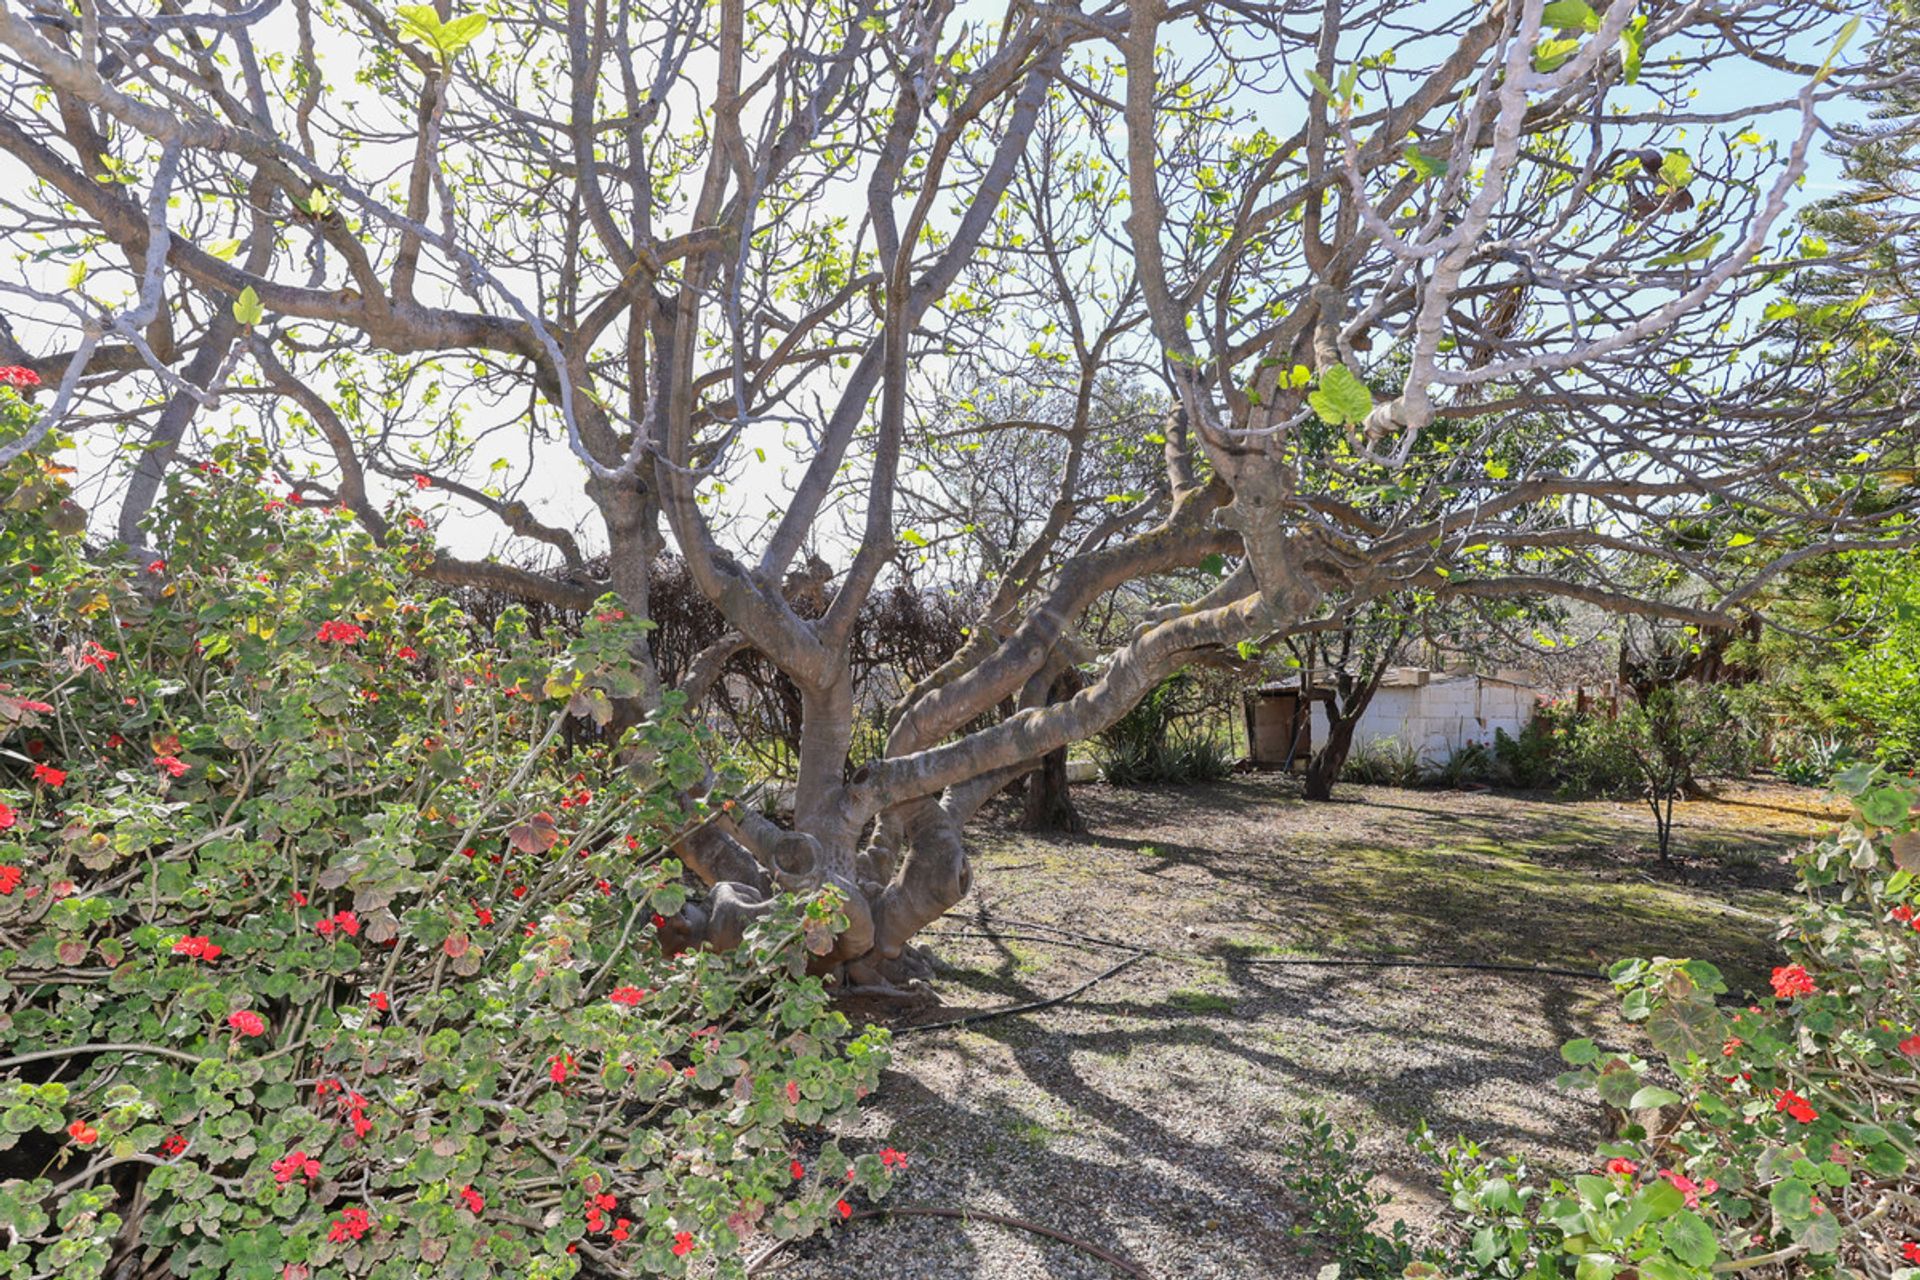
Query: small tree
<point x="1658" y="748"/>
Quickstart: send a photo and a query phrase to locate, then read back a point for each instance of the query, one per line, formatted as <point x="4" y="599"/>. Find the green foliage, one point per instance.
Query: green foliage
<point x="1385" y="762"/>
<point x="1856" y="681"/>
<point x="1467" y="765"/>
<point x="1339" y="1207"/>
<point x="326" y="953"/>
<point x="1342" y="399"/>
<point x="1159" y="741"/>
<point x="1658" y="749"/>
<point x="1787" y="1128"/>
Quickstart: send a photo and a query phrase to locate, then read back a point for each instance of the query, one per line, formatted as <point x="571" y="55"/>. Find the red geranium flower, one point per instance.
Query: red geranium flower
<point x="846" y="1210"/>
<point x="295" y="1164"/>
<point x="1911" y="1252"/>
<point x="96" y="656"/>
<point x="200" y="948"/>
<point x="171" y="765"/>
<point x="798" y="1170"/>
<point x="1796" y="1106"/>
<point x="474" y="1201"/>
<point x="1790" y="981"/>
<point x="898" y="1159"/>
<point x="1911" y="1046"/>
<point x="1688" y="1188"/>
<point x="558" y="1066"/>
<point x="15" y="375"/>
<point x="793" y="1092"/>
<point x="337" y="632"/>
<point x="10" y="877"/>
<point x="49" y="775"/>
<point x="172" y="1145"/>
<point x="83" y="1133"/>
<point x="422" y="481"/>
<point x="682" y="1244"/>
<point x="7" y="816"/>
<point x="628" y="996"/>
<point x="350" y="1225"/>
<point x="378" y="1000"/>
<point x="247" y="1022"/>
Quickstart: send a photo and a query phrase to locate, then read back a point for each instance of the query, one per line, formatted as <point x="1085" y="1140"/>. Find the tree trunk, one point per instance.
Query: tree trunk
<point x="1049" y="804"/>
<point x="1323" y="770"/>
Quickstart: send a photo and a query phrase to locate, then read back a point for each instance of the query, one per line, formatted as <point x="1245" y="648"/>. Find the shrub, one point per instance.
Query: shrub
<point x="1158" y="741"/>
<point x="323" y="957"/>
<point x="1469" y="764"/>
<point x="1340" y="1207"/>
<point x="1658" y="750"/>
<point x="1789" y="1126"/>
<point x="1811" y="760"/>
<point x="1385" y="762"/>
<point x="1529" y="761"/>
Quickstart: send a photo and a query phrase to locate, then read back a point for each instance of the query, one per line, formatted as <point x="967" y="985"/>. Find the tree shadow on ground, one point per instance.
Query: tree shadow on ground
<point x="1145" y="1113"/>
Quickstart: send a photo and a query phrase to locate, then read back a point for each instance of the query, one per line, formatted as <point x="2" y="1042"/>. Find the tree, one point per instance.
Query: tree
<point x="1657" y="748"/>
<point x="640" y="250"/>
<point x="1342" y="669"/>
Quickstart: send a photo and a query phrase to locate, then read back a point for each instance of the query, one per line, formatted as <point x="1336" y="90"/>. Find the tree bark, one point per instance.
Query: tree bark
<point x="1049" y="803"/>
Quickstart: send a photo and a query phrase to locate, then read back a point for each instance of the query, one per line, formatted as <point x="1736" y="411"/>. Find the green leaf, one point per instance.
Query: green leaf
<point x="1884" y="807"/>
<point x="1570" y="15"/>
<point x="1551" y="53"/>
<point x="461" y="32"/>
<point x="247" y="309"/>
<point x="1425" y="167"/>
<point x="1215" y="564"/>
<point x="1792" y="1201"/>
<point x="1634" y="39"/>
<point x="1652" y="1096"/>
<point x="1689" y="1238"/>
<point x="1580" y="1052"/>
<point x="1342" y="400"/>
<point x="1697" y="253"/>
<point x="1661" y="1199"/>
<point x="912" y="538"/>
<point x="1840" y="43"/>
<point x="1683" y="1027"/>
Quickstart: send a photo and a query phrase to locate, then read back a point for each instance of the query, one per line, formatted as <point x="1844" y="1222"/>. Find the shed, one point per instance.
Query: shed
<point x="1433" y="712"/>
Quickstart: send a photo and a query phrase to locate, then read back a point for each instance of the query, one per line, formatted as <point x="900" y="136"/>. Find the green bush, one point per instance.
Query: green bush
<point x="1159" y="743"/>
<point x="322" y="955"/>
<point x="1385" y="762"/>
<point x="1788" y="1127"/>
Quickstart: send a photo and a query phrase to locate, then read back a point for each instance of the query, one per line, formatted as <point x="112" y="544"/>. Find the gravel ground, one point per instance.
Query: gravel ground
<point x="1142" y="1116"/>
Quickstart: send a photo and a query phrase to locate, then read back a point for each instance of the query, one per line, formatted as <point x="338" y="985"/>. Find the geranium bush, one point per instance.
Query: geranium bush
<point x="323" y="955"/>
<point x="1779" y="1135"/>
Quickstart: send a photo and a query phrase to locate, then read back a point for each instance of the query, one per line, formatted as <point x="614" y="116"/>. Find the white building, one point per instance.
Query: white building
<point x="1433" y="712"/>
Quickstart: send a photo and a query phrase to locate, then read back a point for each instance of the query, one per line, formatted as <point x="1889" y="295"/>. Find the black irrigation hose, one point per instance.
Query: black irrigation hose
<point x="1374" y="962"/>
<point x="1031" y="1006"/>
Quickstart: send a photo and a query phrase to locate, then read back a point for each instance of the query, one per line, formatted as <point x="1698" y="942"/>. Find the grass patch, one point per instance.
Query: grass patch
<point x="1201" y="1001"/>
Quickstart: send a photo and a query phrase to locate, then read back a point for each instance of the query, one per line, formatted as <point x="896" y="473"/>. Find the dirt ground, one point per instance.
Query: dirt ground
<point x="1142" y="1115"/>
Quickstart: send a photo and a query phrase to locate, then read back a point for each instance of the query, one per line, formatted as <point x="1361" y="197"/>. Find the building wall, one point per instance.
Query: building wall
<point x="1439" y="717"/>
